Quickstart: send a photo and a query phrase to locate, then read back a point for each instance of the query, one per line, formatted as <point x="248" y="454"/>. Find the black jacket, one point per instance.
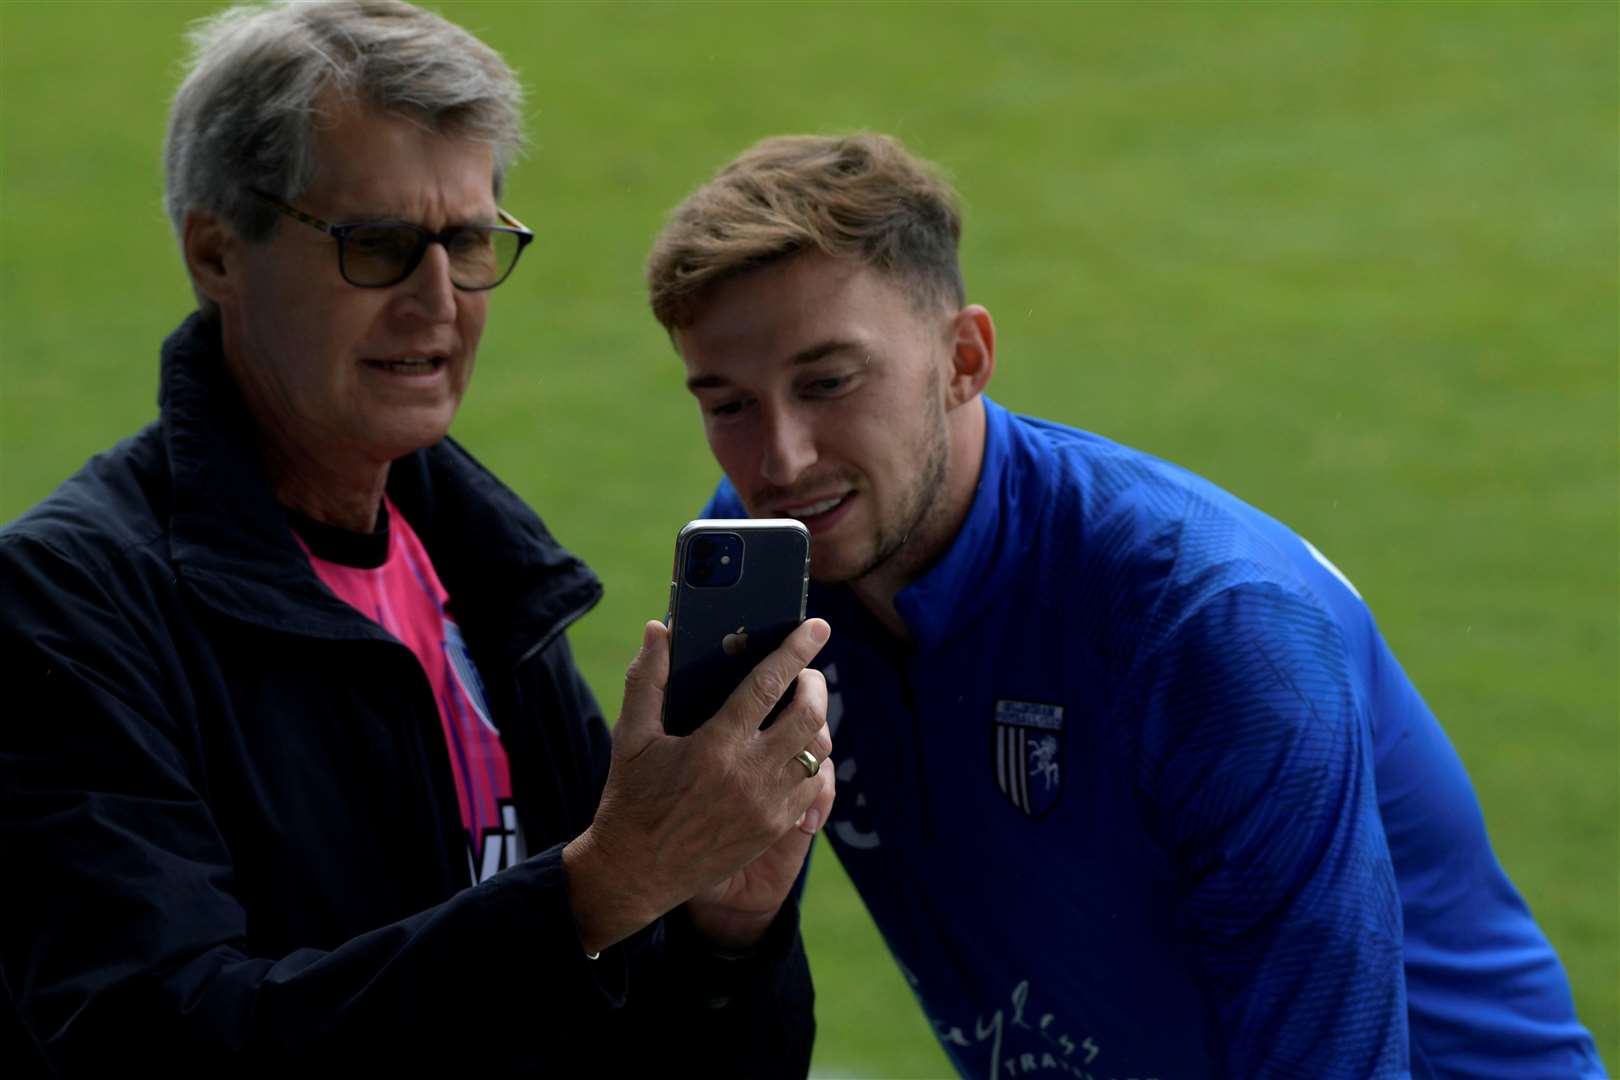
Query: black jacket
<point x="228" y="815"/>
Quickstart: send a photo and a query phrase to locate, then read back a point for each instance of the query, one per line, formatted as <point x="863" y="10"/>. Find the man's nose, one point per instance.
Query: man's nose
<point x="428" y="291"/>
<point x="790" y="446"/>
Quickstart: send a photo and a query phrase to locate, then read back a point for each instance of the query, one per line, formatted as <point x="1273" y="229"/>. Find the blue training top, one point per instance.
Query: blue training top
<point x="1147" y="796"/>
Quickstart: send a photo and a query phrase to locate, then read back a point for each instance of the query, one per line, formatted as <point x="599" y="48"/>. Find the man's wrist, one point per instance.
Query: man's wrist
<point x="726" y="932"/>
<point x="605" y="913"/>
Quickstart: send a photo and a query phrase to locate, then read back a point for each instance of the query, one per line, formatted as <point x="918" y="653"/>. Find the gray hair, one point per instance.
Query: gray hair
<point x="246" y="114"/>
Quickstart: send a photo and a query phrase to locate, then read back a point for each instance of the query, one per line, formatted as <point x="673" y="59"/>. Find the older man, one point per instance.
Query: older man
<point x="1131" y="783"/>
<point x="300" y="773"/>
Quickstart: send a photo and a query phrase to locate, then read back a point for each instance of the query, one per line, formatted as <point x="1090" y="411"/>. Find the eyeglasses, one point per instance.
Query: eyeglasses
<point x="377" y="254"/>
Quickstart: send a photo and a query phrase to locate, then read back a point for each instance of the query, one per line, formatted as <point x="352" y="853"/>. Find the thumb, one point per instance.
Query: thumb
<point x="641" y="718"/>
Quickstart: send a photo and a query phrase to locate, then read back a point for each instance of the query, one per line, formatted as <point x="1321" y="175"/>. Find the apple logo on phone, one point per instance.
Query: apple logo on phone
<point x="735" y="644"/>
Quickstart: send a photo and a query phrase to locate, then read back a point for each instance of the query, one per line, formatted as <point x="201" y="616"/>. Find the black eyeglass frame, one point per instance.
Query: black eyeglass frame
<point x="426" y="236"/>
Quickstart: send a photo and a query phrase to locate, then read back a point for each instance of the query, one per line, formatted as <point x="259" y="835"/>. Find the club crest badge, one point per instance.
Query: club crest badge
<point x="1026" y="751"/>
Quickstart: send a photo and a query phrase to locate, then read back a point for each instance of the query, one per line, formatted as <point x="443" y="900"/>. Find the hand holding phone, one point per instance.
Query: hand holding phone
<point x="738" y="589"/>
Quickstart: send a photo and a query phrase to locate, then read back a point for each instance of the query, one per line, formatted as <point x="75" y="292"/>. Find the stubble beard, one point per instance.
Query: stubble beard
<point x="901" y="546"/>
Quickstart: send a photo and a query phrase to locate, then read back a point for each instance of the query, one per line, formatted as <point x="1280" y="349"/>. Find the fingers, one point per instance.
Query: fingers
<point x="641" y="716"/>
<point x="816" y="816"/>
<point x="803" y="724"/>
<point x="810" y="707"/>
<point x="812" y="761"/>
<point x="770" y="679"/>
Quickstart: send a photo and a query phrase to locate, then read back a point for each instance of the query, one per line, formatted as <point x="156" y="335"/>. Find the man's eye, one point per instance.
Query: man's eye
<point x="381" y="240"/>
<point x="469" y="242"/>
<point x="831" y="384"/>
<point x="726" y="408"/>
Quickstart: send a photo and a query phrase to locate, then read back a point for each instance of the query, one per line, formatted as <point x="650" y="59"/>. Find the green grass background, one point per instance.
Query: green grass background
<point x="1356" y="262"/>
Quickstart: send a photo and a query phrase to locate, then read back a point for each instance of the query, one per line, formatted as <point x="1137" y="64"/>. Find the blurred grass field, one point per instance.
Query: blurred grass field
<point x="1355" y="262"/>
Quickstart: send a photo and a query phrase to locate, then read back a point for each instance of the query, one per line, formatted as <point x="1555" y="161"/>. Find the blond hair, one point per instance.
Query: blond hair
<point x="861" y="197"/>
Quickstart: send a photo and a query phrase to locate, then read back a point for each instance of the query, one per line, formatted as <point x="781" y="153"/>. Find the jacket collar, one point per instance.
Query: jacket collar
<point x="231" y="543"/>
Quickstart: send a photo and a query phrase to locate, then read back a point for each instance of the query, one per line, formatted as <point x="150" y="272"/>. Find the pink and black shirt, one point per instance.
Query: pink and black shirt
<point x="387" y="576"/>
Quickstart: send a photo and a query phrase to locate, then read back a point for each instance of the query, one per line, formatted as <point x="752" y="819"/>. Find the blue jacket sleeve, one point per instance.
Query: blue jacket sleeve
<point x="1257" y="774"/>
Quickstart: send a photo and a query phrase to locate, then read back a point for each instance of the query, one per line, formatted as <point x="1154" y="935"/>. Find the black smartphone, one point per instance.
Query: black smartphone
<point x="738" y="590"/>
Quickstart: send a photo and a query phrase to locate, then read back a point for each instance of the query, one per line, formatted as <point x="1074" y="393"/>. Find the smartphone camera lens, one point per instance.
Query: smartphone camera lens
<point x="715" y="560"/>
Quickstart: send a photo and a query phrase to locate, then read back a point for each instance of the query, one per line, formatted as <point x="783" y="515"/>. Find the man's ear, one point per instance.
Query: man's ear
<point x="973" y="354"/>
<point x="210" y="247"/>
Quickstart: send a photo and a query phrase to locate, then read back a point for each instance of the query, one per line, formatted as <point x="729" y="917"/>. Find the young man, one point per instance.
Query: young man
<point x="1130" y="782"/>
<point x="299" y="776"/>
